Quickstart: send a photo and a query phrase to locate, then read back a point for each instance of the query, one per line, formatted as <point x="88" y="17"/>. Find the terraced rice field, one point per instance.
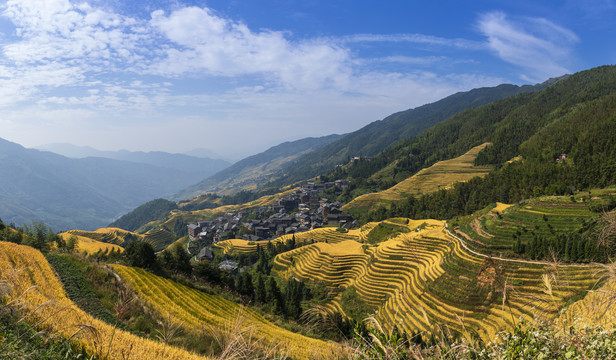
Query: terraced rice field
<point x="195" y="308"/>
<point x="36" y="290"/>
<point x="327" y="235"/>
<point x="496" y="230"/>
<point x="108" y="235"/>
<point x="598" y="308"/>
<point x="91" y="246"/>
<point x="159" y="239"/>
<point x="441" y="175"/>
<point x="420" y="279"/>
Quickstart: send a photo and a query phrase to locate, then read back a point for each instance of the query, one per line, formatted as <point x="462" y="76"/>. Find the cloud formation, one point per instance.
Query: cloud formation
<point x="100" y="73"/>
<point x="206" y="42"/>
<point x="539" y="47"/>
<point x="417" y="39"/>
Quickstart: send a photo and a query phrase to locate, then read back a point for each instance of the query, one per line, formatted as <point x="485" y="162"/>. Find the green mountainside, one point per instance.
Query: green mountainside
<point x="379" y="135"/>
<point x="143" y="214"/>
<point x="574" y="118"/>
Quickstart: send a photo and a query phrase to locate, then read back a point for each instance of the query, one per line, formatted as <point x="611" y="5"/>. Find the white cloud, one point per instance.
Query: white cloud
<point x="415" y="38"/>
<point x="152" y="81"/>
<point x="76" y="35"/>
<point x="539" y="47"/>
<point x="206" y="42"/>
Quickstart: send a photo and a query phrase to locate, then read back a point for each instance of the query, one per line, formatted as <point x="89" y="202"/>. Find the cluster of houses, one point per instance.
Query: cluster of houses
<point x="302" y="210"/>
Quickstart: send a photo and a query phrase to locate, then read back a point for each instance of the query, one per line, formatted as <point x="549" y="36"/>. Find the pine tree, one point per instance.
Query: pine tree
<point x="274" y="296"/>
<point x="260" y="292"/>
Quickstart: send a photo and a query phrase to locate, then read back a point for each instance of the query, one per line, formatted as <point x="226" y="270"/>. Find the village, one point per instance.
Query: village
<point x="300" y="211"/>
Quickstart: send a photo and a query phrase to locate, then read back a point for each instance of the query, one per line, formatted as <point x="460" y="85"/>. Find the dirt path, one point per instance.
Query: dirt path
<point x="547" y="213"/>
<point x="476" y="226"/>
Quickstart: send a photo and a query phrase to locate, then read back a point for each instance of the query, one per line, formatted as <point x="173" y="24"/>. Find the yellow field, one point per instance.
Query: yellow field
<point x="158" y="238"/>
<point x="419" y="279"/>
<point x="38" y="292"/>
<point x="327" y="235"/>
<point x="108" y="235"/>
<point x="441" y="175"/>
<point x="91" y="246"/>
<point x="195" y="308"/>
<point x="598" y="308"/>
<point x="500" y="207"/>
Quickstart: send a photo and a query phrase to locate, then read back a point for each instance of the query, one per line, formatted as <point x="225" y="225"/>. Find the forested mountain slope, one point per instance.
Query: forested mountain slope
<point x="573" y="120"/>
<point x="377" y="136"/>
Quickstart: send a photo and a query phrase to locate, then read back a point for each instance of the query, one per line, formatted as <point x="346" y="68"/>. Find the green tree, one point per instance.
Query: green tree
<point x="260" y="292"/>
<point x="274" y="296"/>
<point x="71" y="244"/>
<point x="141" y="254"/>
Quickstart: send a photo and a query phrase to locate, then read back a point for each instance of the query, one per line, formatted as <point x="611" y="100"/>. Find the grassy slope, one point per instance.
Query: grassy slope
<point x="89" y="245"/>
<point x="438" y="176"/>
<point x="196" y="308"/>
<point x="35" y="285"/>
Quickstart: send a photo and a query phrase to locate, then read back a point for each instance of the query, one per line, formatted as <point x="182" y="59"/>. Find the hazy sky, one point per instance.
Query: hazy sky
<point x="244" y="75"/>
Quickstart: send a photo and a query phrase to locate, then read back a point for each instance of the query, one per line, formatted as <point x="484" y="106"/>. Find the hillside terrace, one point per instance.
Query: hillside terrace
<point x="297" y="212"/>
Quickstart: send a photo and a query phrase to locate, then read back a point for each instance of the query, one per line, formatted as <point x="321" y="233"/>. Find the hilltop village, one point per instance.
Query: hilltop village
<point x="302" y="210"/>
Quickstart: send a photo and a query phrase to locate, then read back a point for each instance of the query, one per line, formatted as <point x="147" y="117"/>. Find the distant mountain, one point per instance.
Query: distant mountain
<point x="77" y="193"/>
<point x="200" y="167"/>
<point x="256" y="169"/>
<point x="378" y="135"/>
<point x="211" y="154"/>
<point x="72" y="151"/>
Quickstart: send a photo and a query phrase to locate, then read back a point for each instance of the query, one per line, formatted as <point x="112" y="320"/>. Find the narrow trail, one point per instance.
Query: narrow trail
<point x="533" y="262"/>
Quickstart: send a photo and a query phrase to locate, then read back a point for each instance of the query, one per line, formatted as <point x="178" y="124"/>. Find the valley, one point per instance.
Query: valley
<point x="489" y="221"/>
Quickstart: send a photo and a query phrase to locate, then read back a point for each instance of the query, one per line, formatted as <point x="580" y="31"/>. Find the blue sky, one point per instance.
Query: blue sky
<point x="239" y="76"/>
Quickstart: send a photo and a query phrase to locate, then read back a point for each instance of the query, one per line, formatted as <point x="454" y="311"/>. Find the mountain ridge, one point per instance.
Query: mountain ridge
<point x="201" y="167"/>
<point x="77" y="193"/>
<point x="378" y="135"/>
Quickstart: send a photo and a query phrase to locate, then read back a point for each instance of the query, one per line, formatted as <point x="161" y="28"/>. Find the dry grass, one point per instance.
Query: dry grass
<point x="500" y="207"/>
<point x="30" y="284"/>
<point x="196" y="309"/>
<point x="598" y="307"/>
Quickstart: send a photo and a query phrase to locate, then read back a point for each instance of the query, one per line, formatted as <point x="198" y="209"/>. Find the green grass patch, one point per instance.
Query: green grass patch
<point x="384" y="231"/>
<point x="353" y="305"/>
<point x="79" y="289"/>
<point x="18" y="340"/>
